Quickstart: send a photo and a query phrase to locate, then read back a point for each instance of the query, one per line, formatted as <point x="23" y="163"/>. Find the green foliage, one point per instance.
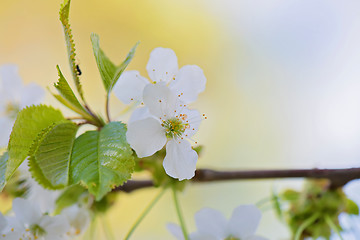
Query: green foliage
<point x="3" y="163"/>
<point x="70" y="196"/>
<point x="51" y="154"/>
<point x="29" y="123"/>
<point x="68" y="95"/>
<point x="64" y="18"/>
<point x="319" y="203"/>
<point x="351" y="207"/>
<point x="102" y="159"/>
<point x="109" y="72"/>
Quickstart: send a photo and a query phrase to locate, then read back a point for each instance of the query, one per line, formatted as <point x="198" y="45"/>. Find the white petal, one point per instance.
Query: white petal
<point x="160" y="100"/>
<point x="189" y="82"/>
<point x="130" y="87"/>
<point x="3" y="222"/>
<point x="146" y="136"/>
<point x="203" y="236"/>
<point x="212" y="222"/>
<point x="26" y="211"/>
<point x="193" y="118"/>
<point x="11" y="81"/>
<point x="31" y="94"/>
<point x="244" y="221"/>
<point x="175" y="230"/>
<point x="140" y="114"/>
<point x="54" y="226"/>
<point x="162" y="65"/>
<point x="6" y="127"/>
<point x="78" y="218"/>
<point x="180" y="160"/>
<point x="256" y="238"/>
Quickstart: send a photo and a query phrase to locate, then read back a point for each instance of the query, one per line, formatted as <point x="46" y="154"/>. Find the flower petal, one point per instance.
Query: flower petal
<point x="6" y="127"/>
<point x="180" y="160"/>
<point x="3" y="222"/>
<point x="130" y="87"/>
<point x="31" y="94"/>
<point x="11" y="81"/>
<point x="160" y="100"/>
<point x="256" y="238"/>
<point x="202" y="236"/>
<point x="78" y="218"/>
<point x="193" y="118"/>
<point x="146" y="136"/>
<point x="244" y="221"/>
<point x="26" y="211"/>
<point x="162" y="65"/>
<point x="140" y="114"/>
<point x="212" y="222"/>
<point x="175" y="230"/>
<point x="54" y="226"/>
<point x="189" y="82"/>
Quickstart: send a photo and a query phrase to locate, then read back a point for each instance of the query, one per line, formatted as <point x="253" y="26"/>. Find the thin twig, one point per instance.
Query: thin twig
<point x="338" y="177"/>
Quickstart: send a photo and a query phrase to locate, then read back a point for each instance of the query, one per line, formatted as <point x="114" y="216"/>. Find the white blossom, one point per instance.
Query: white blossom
<point x="169" y="122"/>
<point x="78" y="218"/>
<point x="13" y="97"/>
<point x="187" y="82"/>
<point x="30" y="223"/>
<point x="212" y="225"/>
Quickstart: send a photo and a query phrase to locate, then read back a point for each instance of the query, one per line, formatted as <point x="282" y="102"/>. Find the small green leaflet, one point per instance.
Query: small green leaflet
<point x="64" y="18"/>
<point x="29" y="123"/>
<point x="69" y="196"/>
<point x="3" y="162"/>
<point x="108" y="71"/>
<point x="68" y="95"/>
<point x="50" y="155"/>
<point x="102" y="159"/>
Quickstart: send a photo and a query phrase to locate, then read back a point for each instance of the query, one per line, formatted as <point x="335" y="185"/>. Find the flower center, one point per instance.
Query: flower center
<point x="174" y="127"/>
<point x="11" y="110"/>
<point x="232" y="238"/>
<point x="37" y="230"/>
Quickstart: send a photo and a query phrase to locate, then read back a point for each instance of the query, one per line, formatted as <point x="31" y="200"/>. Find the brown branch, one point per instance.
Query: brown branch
<point x="338" y="177"/>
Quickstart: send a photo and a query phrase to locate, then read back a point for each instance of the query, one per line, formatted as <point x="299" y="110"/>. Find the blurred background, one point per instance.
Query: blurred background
<point x="282" y="92"/>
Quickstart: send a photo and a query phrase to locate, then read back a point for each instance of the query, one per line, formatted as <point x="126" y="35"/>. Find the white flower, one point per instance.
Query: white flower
<point x="13" y="97"/>
<point x="187" y="82"/>
<point x="169" y="122"/>
<point x="30" y="223"/>
<point x="212" y="225"/>
<point x="3" y="223"/>
<point x="78" y="218"/>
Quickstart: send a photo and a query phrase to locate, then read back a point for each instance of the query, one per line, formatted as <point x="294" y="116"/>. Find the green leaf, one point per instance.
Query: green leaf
<point x="67" y="93"/>
<point x="3" y="163"/>
<point x="102" y="159"/>
<point x="109" y="72"/>
<point x="351" y="207"/>
<point x="123" y="66"/>
<point x="29" y="123"/>
<point x="69" y="196"/>
<point x="50" y="155"/>
<point x="106" y="68"/>
<point x="64" y="18"/>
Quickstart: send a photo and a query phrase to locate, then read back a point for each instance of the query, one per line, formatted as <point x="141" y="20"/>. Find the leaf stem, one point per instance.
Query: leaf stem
<point x="304" y="225"/>
<point x="178" y="211"/>
<point x="333" y="226"/>
<point x="144" y="213"/>
<point x="107" y="107"/>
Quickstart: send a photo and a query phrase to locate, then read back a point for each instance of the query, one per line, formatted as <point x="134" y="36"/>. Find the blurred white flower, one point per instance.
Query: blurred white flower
<point x="212" y="225"/>
<point x="78" y="218"/>
<point x="3" y="223"/>
<point x="13" y="97"/>
<point x="187" y="82"/>
<point x="169" y="122"/>
<point x="30" y="223"/>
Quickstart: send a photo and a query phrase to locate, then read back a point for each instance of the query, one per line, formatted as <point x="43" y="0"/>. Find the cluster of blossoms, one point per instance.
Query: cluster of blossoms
<point x="29" y="222"/>
<point x="212" y="225"/>
<point x="13" y="97"/>
<point x="163" y="117"/>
